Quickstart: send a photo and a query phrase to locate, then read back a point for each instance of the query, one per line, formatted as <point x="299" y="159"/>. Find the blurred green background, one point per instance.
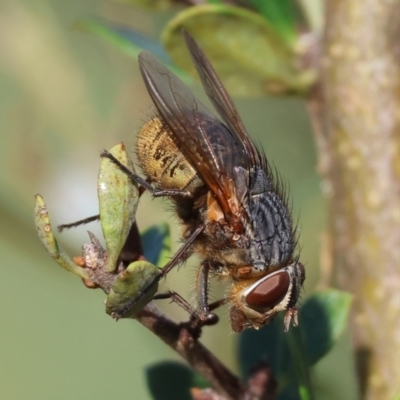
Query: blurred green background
<point x="65" y="96"/>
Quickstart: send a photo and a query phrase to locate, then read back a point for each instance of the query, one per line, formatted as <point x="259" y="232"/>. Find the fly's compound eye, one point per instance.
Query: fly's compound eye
<point x="273" y="293"/>
<point x="268" y="292"/>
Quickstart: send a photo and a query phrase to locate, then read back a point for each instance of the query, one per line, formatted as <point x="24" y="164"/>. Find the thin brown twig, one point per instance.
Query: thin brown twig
<point x="199" y="357"/>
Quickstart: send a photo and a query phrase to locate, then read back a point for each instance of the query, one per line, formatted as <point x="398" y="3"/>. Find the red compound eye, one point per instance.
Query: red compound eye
<point x="270" y="291"/>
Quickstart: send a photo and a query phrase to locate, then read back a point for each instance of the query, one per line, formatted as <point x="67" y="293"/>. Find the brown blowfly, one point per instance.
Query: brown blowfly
<point x="230" y="201"/>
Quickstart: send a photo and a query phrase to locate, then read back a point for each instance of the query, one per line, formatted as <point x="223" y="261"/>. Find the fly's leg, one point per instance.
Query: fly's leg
<point x="77" y="223"/>
<point x="195" y="323"/>
<point x="197" y="320"/>
<point x="202" y="285"/>
<point x="136" y="178"/>
<point x="179" y="256"/>
<point x="203" y="316"/>
<point x="176" y="298"/>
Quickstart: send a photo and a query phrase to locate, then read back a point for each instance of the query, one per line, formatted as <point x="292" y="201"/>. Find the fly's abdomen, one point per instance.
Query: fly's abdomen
<point x="161" y="159"/>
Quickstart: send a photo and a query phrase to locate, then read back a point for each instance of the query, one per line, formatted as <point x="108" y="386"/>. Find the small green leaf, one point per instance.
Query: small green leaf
<point x="199" y="382"/>
<point x="108" y="34"/>
<point x="43" y="227"/>
<point x="128" y="286"/>
<point x="250" y="57"/>
<point x="323" y="318"/>
<point x="172" y="380"/>
<point x="130" y="43"/>
<point x="305" y="392"/>
<point x="156" y="243"/>
<point x="118" y="198"/>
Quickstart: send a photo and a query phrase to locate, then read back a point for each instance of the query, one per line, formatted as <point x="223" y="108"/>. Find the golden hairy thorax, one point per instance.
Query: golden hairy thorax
<point x="161" y="159"/>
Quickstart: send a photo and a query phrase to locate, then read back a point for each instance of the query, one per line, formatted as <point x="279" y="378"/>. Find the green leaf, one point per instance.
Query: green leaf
<point x="118" y="198"/>
<point x="172" y="380"/>
<point x="323" y="319"/>
<point x="129" y="42"/>
<point x="281" y="14"/>
<point x="250" y="57"/>
<point x="46" y="236"/>
<point x="156" y="243"/>
<point x="128" y="286"/>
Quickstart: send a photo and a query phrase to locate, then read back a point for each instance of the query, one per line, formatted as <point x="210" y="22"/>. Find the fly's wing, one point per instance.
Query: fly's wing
<point x="207" y="144"/>
<point x="221" y="99"/>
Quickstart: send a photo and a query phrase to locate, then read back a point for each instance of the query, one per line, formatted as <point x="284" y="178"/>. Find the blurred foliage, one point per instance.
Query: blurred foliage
<point x="172" y="380"/>
<point x="156" y="242"/>
<point x="65" y="97"/>
<point x="254" y="54"/>
<point x="248" y="54"/>
<point x="323" y="319"/>
<point x="290" y="355"/>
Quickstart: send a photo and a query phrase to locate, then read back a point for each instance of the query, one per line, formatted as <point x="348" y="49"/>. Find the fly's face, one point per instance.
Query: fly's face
<point x="235" y="210"/>
<point x="256" y="302"/>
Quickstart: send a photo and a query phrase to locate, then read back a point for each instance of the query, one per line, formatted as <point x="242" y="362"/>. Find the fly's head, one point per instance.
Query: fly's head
<point x="256" y="302"/>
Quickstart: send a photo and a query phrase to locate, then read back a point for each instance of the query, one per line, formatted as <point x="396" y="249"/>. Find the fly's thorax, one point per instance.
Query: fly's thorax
<point x="257" y="301"/>
<point x="161" y="160"/>
<point x="214" y="248"/>
<point x="270" y="231"/>
<point x="223" y="235"/>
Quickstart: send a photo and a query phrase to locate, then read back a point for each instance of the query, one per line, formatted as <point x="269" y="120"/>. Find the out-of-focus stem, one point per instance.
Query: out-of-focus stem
<point x="357" y="115"/>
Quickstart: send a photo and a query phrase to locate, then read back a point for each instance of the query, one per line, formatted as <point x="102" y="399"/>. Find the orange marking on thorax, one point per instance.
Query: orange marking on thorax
<point x="214" y="212"/>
